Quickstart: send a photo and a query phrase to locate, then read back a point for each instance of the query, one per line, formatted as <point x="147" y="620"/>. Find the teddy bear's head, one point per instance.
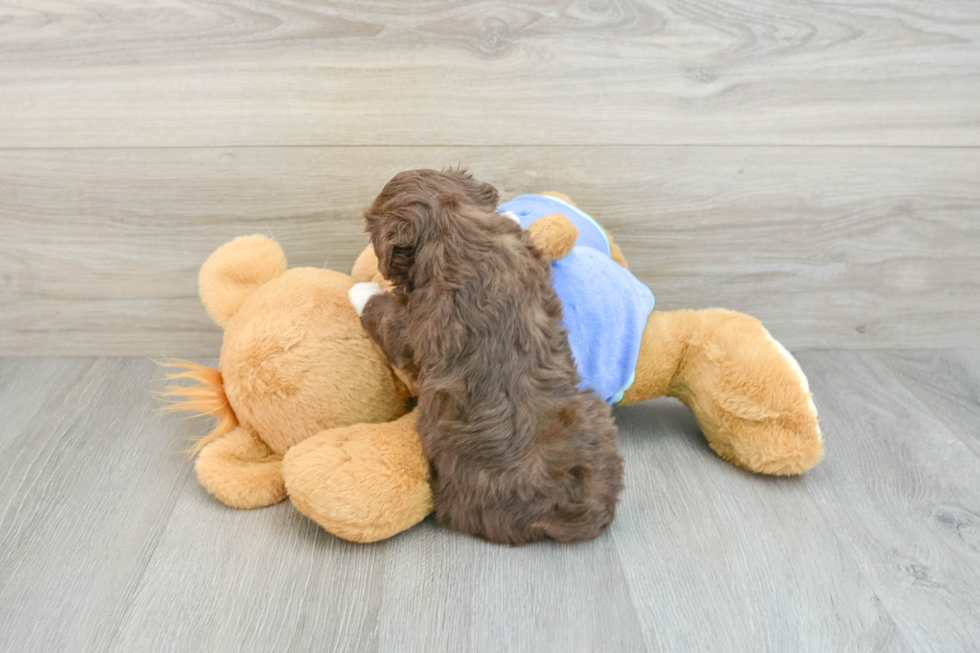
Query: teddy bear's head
<point x="295" y="359"/>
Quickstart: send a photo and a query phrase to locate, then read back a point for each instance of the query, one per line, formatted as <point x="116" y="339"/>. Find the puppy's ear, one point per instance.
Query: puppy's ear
<point x="395" y="237"/>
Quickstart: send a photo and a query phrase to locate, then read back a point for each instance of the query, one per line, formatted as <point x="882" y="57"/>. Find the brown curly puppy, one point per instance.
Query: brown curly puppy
<point x="519" y="453"/>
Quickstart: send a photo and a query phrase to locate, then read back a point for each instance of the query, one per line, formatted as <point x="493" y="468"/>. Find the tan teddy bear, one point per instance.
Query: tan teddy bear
<point x="308" y="406"/>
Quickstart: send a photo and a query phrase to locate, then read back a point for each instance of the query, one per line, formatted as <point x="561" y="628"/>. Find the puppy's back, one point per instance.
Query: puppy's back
<point x="563" y="486"/>
<point x="520" y="453"/>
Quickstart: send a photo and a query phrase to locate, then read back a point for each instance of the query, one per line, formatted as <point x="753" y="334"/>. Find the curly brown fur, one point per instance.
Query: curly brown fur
<point x="519" y="453"/>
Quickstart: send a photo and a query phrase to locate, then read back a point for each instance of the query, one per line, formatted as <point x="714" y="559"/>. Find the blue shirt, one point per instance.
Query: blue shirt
<point x="605" y="308"/>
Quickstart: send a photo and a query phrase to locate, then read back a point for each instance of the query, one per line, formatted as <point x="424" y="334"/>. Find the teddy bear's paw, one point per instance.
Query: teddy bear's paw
<point x="554" y="235"/>
<point x="363" y="483"/>
<point x="241" y="471"/>
<point x="799" y="375"/>
<point x="360" y="293"/>
<point x="761" y="415"/>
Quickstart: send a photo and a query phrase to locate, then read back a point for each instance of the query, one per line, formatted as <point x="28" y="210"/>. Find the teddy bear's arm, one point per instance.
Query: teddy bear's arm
<point x="614" y="251"/>
<point x="554" y="235"/>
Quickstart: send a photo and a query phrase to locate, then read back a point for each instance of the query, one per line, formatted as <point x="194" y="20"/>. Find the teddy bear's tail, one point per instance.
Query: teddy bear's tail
<point x="207" y="397"/>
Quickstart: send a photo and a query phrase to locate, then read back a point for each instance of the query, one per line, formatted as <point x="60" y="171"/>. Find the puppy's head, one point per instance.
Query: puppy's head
<point x="416" y="211"/>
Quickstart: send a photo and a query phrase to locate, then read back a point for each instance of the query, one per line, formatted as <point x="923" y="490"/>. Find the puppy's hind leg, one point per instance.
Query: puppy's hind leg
<point x="591" y="476"/>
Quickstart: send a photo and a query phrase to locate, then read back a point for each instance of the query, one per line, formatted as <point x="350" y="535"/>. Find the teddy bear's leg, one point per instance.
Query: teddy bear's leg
<point x="241" y="471"/>
<point x="364" y="482"/>
<point x="747" y="392"/>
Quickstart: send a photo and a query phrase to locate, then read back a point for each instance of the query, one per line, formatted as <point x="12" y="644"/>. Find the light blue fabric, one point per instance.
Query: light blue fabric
<point x="529" y="208"/>
<point x="605" y="308"/>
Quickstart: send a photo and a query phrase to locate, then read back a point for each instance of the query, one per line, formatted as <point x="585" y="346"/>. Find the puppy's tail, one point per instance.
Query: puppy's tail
<point x="580" y="530"/>
<point x="207" y="397"/>
<point x="580" y="518"/>
<point x="589" y="487"/>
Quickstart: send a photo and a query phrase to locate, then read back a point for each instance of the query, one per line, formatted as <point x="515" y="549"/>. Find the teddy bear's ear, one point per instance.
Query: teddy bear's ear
<point x="234" y="271"/>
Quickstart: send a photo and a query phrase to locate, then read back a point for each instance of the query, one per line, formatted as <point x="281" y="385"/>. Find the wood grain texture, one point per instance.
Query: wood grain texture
<point x="265" y="580"/>
<point x="719" y="559"/>
<point x="86" y="487"/>
<point x="830" y="247"/>
<point x="107" y="542"/>
<point x="949" y="383"/>
<point x="265" y="72"/>
<point x="900" y="490"/>
<point x="26" y="388"/>
<point x="461" y="594"/>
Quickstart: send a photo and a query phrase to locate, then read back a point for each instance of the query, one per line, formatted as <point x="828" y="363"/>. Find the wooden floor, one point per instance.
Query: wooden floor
<point x="107" y="542"/>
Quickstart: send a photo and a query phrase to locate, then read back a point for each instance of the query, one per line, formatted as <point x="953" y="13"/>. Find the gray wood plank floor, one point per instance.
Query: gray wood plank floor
<point x="107" y="542"/>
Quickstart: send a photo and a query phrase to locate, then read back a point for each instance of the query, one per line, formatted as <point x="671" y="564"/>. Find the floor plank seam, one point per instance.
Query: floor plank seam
<point x="132" y="592"/>
<point x="972" y="446"/>
<point x="629" y="591"/>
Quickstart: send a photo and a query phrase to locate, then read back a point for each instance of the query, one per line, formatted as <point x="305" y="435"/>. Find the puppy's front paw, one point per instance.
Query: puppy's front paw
<point x="360" y="293"/>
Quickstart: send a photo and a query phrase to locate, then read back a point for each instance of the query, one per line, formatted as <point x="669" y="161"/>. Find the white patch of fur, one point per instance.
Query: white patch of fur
<point x="799" y="375"/>
<point x="511" y="216"/>
<point x="360" y="293"/>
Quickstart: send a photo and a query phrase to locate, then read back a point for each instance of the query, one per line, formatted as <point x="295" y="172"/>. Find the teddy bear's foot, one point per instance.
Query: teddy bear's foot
<point x="241" y="471"/>
<point x="751" y="398"/>
<point x="363" y="483"/>
<point x="785" y="453"/>
<point x="748" y="394"/>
